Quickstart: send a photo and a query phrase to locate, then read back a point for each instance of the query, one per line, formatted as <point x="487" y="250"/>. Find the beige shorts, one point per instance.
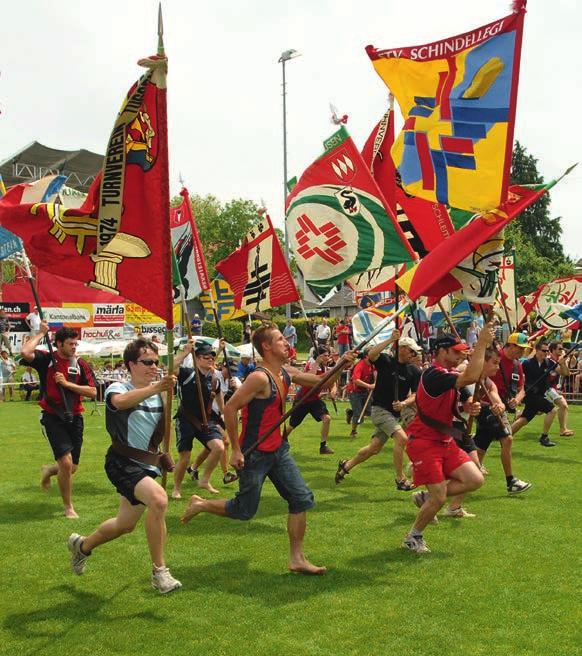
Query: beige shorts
<point x="385" y="423"/>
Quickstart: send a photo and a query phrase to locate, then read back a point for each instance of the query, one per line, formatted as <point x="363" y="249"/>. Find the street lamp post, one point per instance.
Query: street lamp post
<point x="285" y="57"/>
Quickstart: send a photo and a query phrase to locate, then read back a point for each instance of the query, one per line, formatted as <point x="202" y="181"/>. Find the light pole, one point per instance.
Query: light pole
<point x="285" y="57"/>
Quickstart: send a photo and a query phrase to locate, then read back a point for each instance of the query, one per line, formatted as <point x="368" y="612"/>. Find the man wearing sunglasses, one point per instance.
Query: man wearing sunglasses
<point x="194" y="420"/>
<point x="134" y="417"/>
<point x="536" y="370"/>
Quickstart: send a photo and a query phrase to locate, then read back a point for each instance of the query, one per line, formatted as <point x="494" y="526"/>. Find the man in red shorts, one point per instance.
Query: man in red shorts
<point x="437" y="461"/>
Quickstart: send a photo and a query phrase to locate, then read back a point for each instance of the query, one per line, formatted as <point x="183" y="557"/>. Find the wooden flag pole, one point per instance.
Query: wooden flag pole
<point x="504" y="305"/>
<point x="449" y="320"/>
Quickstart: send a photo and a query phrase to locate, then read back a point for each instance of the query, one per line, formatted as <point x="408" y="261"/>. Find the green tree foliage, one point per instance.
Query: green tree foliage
<point x="534" y="234"/>
<point x="222" y="226"/>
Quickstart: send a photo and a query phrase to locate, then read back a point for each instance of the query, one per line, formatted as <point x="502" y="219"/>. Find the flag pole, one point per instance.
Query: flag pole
<point x="68" y="415"/>
<point x="504" y="305"/>
<point x="165" y="198"/>
<point x="341" y="364"/>
<point x="449" y="320"/>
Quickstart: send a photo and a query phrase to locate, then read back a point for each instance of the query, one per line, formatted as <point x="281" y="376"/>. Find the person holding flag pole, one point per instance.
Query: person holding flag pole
<point x="260" y="451"/>
<point x="64" y="380"/>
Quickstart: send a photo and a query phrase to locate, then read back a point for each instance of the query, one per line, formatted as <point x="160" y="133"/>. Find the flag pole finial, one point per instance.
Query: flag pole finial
<point x="161" y="51"/>
<point x="181" y="179"/>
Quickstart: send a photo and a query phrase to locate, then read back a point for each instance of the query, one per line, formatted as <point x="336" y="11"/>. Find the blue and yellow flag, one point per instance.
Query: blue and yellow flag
<point x="458" y="99"/>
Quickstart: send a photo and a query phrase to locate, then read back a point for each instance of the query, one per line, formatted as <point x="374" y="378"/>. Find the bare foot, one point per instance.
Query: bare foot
<point x="176" y="494"/>
<point x="45" y="477"/>
<point x="206" y="485"/>
<point x="71" y="514"/>
<point x="303" y="566"/>
<point x="194" y="507"/>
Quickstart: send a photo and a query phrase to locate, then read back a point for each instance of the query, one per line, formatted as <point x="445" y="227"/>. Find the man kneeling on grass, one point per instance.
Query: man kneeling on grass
<point x="262" y="400"/>
<point x="134" y="418"/>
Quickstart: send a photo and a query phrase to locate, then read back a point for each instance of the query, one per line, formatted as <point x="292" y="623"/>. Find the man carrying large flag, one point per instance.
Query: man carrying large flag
<point x="458" y="97"/>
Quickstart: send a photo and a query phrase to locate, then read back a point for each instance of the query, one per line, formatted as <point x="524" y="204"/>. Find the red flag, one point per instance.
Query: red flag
<point x="435" y="275"/>
<point x="118" y="241"/>
<point x="188" y="250"/>
<point x="257" y="272"/>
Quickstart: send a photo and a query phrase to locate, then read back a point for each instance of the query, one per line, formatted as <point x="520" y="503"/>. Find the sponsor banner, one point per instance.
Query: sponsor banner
<point x="73" y="316"/>
<point x="159" y="329"/>
<point x="18" y="339"/>
<point x="16" y="313"/>
<point x="108" y="314"/>
<point x="137" y="315"/>
<point x="88" y="310"/>
<point x="101" y="334"/>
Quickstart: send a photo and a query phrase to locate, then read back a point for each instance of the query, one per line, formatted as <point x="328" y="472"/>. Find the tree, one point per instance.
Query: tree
<point x="534" y="234"/>
<point x="222" y="226"/>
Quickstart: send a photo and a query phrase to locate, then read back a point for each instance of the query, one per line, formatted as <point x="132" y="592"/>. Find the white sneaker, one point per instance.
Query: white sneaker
<point x="518" y="486"/>
<point x="78" y="558"/>
<point x="419" y="498"/>
<point x="415" y="543"/>
<point x="163" y="581"/>
<point x="458" y="512"/>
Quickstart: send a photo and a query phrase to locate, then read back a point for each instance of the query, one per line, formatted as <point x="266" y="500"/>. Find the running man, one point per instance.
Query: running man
<point x="261" y="398"/>
<point x="71" y="379"/>
<point x="134" y="417"/>
<point x="437" y="461"/>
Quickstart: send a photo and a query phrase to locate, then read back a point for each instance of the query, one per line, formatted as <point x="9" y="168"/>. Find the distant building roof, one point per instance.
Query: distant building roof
<point x="35" y="161"/>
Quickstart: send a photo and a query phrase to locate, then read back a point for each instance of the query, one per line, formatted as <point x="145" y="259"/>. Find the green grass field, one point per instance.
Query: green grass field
<point x="503" y="583"/>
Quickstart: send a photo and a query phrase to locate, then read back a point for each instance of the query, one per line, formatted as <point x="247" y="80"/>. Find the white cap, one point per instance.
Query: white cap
<point x="410" y="343"/>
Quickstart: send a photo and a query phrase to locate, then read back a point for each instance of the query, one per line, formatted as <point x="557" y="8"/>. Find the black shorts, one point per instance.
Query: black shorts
<point x="63" y="436"/>
<point x="535" y="404"/>
<point x="489" y="429"/>
<point x="185" y="434"/>
<point x="317" y="409"/>
<point x="125" y="475"/>
<point x="467" y="445"/>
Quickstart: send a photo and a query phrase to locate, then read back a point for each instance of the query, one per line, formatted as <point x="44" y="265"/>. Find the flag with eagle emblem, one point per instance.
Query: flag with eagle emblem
<point x="338" y="222"/>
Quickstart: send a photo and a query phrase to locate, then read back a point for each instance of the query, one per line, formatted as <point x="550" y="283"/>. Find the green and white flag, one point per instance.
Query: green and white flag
<point x="338" y="221"/>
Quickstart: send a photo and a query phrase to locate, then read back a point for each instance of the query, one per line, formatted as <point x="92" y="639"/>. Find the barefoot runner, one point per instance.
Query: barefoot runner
<point x="65" y="434"/>
<point x="262" y="400"/>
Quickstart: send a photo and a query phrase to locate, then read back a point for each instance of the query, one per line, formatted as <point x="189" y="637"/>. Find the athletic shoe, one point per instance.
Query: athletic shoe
<point x="325" y="450"/>
<point x="518" y="486"/>
<point x="193" y="473"/>
<point x="349" y="415"/>
<point x="419" y="498"/>
<point x="229" y="477"/>
<point x="78" y="558"/>
<point x="458" y="512"/>
<point x="354" y="434"/>
<point x="484" y="470"/>
<point x="415" y="543"/>
<point x="404" y="485"/>
<point x="545" y="441"/>
<point x="163" y="581"/>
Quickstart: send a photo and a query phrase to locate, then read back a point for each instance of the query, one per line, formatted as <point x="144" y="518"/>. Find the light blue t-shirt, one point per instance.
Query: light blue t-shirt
<point x="136" y="425"/>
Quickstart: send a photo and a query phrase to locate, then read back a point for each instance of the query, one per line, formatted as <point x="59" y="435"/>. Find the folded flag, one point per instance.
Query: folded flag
<point x="458" y="99"/>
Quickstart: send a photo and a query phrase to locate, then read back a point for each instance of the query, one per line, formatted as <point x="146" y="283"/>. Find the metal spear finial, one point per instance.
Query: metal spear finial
<point x="161" y="51"/>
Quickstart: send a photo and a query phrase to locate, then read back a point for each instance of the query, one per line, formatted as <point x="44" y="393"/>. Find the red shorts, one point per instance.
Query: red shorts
<point x="433" y="461"/>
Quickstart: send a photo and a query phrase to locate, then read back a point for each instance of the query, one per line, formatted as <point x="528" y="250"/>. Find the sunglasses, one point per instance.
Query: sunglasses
<point x="545" y="350"/>
<point x="148" y="363"/>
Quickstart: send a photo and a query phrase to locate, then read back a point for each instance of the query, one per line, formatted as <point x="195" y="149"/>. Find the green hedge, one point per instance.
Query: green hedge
<point x="232" y="331"/>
